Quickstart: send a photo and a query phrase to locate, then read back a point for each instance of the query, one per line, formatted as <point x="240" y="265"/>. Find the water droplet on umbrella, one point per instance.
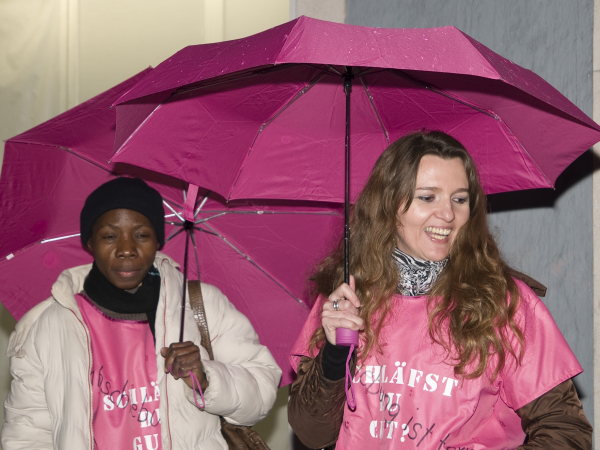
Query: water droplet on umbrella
<point x="50" y="260"/>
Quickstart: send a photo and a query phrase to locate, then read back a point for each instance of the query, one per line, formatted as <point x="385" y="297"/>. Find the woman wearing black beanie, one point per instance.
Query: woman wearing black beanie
<point x="97" y="365"/>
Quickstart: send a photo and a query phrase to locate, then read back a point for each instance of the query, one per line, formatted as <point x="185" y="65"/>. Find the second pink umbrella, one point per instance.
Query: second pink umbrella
<point x="258" y="253"/>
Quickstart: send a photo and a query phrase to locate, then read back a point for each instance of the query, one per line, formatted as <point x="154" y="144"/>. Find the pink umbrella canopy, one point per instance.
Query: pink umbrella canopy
<point x="264" y="116"/>
<point x="258" y="254"/>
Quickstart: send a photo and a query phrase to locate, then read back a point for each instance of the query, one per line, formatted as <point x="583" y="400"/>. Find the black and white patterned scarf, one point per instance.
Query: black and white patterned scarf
<point x="416" y="275"/>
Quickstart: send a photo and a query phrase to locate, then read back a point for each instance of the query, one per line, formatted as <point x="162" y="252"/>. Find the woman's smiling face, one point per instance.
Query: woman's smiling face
<point x="438" y="211"/>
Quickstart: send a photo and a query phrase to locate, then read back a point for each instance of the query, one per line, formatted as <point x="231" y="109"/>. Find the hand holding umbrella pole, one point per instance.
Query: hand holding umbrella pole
<point x="188" y="226"/>
<point x="344" y="336"/>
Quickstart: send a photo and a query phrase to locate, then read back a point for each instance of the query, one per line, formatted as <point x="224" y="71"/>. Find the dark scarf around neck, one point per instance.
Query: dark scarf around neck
<point x="143" y="300"/>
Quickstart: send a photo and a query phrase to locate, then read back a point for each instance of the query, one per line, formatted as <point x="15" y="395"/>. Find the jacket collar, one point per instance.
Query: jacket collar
<point x="69" y="283"/>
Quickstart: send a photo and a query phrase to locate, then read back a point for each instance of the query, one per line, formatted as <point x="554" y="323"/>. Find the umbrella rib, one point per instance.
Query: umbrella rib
<point x="206" y="231"/>
<point x="172" y="203"/>
<point x="285" y="212"/>
<point x="226" y="79"/>
<point x="364" y="84"/>
<point x="368" y="70"/>
<point x="435" y="90"/>
<point x="10" y="256"/>
<point x="173" y="211"/>
<point x="265" y="124"/>
<point x="330" y="213"/>
<point x="331" y="70"/>
<point x="299" y="94"/>
<point x="224" y="239"/>
<point x="188" y="89"/>
<point x="173" y="234"/>
<point x="202" y="203"/>
<point x="528" y="154"/>
<point x="68" y="150"/>
<point x="211" y="217"/>
<point x="141" y="125"/>
<point x="60" y="238"/>
<point x="334" y="70"/>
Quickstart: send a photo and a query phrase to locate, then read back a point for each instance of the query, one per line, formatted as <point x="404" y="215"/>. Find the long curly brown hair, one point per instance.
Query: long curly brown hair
<point x="468" y="303"/>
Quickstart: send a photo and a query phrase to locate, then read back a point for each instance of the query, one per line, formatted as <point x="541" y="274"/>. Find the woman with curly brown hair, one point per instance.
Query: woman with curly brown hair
<point x="454" y="351"/>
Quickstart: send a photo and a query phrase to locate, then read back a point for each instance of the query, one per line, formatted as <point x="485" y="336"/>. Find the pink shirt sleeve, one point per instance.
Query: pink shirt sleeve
<point x="547" y="361"/>
<point x="313" y="322"/>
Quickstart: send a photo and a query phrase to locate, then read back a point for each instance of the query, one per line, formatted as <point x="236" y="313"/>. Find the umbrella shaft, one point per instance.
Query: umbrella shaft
<point x="347" y="91"/>
<point x="188" y="231"/>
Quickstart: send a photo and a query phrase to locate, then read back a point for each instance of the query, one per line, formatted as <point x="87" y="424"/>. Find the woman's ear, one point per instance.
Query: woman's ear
<point x="89" y="245"/>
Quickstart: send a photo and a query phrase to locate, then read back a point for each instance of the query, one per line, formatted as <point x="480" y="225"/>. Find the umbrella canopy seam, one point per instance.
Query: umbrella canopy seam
<point x="250" y="260"/>
<point x="296" y="96"/>
<point x="372" y="101"/>
<point x="435" y="90"/>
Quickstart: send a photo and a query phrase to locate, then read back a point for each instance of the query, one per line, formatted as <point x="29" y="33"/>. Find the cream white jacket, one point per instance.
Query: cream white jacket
<point x="50" y="402"/>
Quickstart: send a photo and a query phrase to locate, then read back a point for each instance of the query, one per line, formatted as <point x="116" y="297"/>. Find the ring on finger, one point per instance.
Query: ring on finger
<point x="336" y="306"/>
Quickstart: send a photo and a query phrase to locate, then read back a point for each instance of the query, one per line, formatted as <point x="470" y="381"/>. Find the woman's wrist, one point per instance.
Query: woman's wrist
<point x="334" y="361"/>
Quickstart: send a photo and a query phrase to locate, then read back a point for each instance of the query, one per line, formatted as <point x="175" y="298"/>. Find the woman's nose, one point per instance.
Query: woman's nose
<point x="125" y="247"/>
<point x="445" y="210"/>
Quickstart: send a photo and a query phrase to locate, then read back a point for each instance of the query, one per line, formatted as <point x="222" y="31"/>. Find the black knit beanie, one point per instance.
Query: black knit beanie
<point x="123" y="193"/>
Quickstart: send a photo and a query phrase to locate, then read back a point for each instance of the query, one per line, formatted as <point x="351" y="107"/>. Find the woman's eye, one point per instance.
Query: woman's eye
<point x="109" y="237"/>
<point x="461" y="200"/>
<point x="426" y="198"/>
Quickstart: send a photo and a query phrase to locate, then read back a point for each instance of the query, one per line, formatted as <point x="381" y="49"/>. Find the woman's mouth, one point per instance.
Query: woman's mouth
<point x="127" y="273"/>
<point x="438" y="233"/>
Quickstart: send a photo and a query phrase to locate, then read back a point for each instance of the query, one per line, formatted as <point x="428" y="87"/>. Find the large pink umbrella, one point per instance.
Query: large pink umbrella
<point x="303" y="110"/>
<point x="258" y="254"/>
<point x="264" y="116"/>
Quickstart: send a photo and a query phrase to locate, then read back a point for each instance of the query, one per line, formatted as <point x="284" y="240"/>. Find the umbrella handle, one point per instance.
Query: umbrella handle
<point x="346" y="337"/>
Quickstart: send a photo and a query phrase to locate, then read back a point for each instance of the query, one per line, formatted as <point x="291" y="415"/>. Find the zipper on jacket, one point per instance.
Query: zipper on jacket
<point x="89" y="371"/>
<point x="166" y="396"/>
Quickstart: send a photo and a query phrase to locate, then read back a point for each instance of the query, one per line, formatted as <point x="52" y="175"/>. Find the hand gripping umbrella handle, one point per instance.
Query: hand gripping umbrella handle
<point x="346" y="337"/>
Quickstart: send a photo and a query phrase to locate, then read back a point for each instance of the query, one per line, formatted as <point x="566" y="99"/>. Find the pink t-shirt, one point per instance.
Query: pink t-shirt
<point x="409" y="398"/>
<point x="125" y="394"/>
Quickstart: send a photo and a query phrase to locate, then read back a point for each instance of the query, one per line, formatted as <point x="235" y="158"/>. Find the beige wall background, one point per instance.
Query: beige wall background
<point x="55" y="54"/>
